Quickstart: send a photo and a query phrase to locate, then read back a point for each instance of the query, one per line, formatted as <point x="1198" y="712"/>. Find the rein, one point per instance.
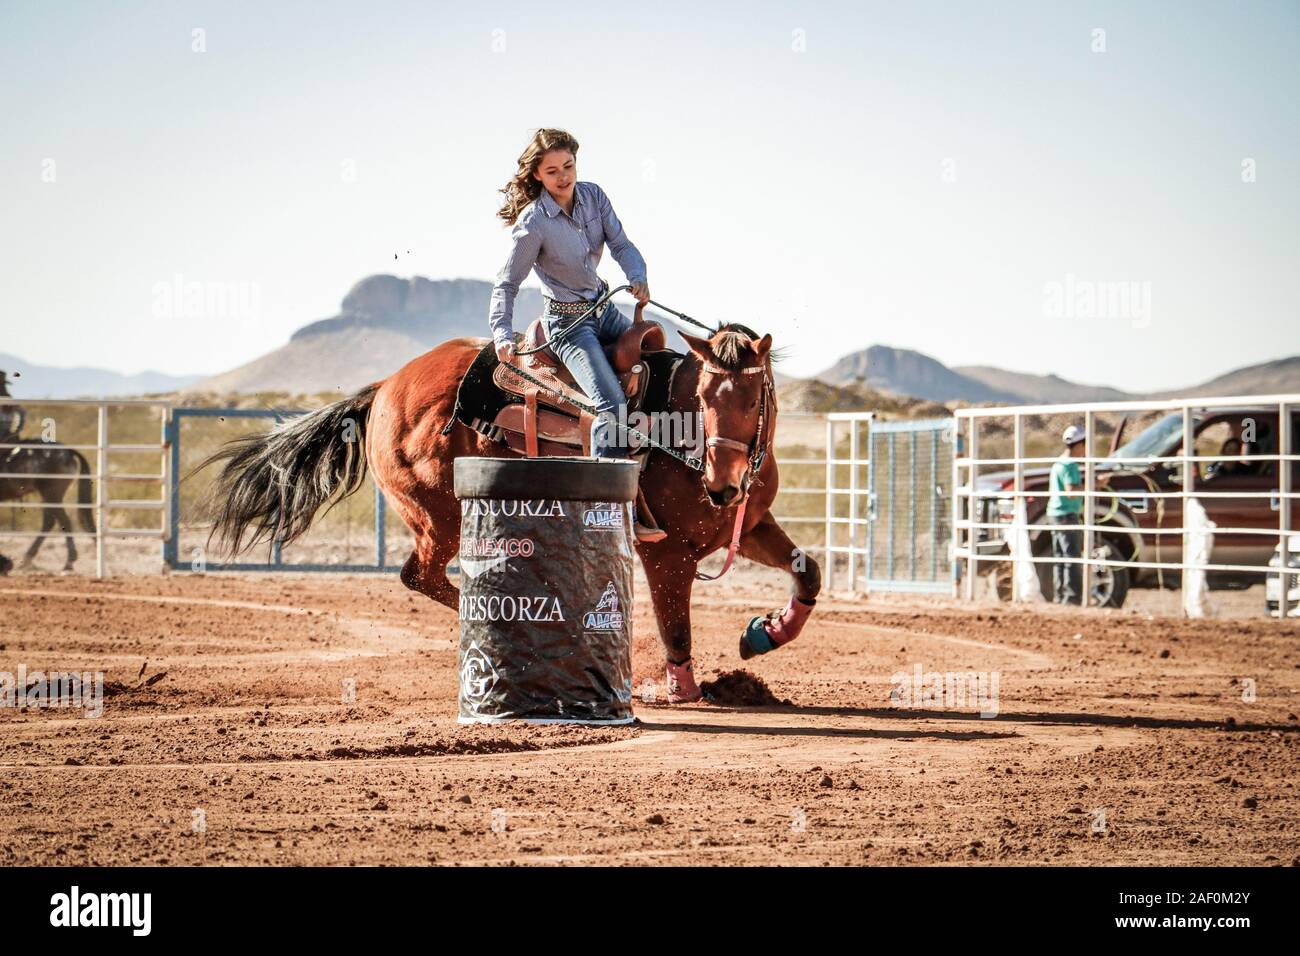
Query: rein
<point x="563" y="333"/>
<point x="757" y="448"/>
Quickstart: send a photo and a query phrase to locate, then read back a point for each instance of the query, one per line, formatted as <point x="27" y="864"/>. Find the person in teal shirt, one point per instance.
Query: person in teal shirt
<point x="1064" y="508"/>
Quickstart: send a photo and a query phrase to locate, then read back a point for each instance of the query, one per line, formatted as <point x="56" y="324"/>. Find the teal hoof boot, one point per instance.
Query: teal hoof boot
<point x="755" y="640"/>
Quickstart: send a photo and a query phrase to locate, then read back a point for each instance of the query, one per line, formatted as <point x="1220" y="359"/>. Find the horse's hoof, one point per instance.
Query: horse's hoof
<point x="6" y="565"/>
<point x="682" y="688"/>
<point x="755" y="640"/>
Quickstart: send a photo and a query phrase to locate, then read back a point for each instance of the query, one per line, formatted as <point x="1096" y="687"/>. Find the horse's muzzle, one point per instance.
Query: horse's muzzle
<point x="728" y="496"/>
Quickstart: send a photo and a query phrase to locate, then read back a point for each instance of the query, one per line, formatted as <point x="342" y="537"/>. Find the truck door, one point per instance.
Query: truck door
<point x="1253" y="433"/>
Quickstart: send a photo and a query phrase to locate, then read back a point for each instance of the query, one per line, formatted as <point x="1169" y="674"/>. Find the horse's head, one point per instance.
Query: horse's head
<point x="737" y="401"/>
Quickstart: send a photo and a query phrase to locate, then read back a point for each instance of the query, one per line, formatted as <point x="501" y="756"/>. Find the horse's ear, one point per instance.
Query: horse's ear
<point x="699" y="346"/>
<point x="762" y="346"/>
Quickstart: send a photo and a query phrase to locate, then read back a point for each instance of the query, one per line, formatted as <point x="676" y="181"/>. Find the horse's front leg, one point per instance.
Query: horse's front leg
<point x="768" y="544"/>
<point x="47" y="525"/>
<point x="671" y="574"/>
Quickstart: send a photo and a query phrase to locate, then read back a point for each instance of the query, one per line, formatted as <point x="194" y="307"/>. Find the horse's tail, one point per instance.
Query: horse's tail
<point x="85" y="493"/>
<point x="276" y="482"/>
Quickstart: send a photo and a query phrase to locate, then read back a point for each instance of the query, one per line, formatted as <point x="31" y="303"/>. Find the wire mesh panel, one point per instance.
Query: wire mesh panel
<point x="909" y="507"/>
<point x="887" y="508"/>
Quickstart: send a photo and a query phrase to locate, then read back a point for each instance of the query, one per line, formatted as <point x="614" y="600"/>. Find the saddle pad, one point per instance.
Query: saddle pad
<point x="478" y="399"/>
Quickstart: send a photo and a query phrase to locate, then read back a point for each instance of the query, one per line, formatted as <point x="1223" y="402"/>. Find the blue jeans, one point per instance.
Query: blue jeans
<point x="582" y="355"/>
<point x="1067" y="579"/>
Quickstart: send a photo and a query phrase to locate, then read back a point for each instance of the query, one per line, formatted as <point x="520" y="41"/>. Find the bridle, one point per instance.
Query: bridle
<point x="757" y="452"/>
<point x="756" y="449"/>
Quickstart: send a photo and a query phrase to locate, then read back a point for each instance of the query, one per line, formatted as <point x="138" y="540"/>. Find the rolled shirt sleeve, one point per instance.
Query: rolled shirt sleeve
<point x="527" y="243"/>
<point x="621" y="248"/>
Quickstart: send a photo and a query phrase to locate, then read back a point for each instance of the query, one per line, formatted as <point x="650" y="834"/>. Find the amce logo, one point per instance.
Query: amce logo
<point x="606" y="616"/>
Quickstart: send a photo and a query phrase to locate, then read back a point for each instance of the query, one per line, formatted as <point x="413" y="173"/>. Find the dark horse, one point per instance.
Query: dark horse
<point x="47" y="468"/>
<point x="274" y="484"/>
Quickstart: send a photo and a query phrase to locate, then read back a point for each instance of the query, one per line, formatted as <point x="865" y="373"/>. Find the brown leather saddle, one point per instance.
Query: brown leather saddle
<point x="545" y="413"/>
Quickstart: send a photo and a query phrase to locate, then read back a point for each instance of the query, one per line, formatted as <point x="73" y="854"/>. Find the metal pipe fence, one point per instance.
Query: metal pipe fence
<point x="1135" y="498"/>
<point x="83" y="426"/>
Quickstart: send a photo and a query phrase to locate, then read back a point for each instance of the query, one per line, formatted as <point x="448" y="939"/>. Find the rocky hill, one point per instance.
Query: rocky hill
<point x="1281" y="377"/>
<point x="383" y="322"/>
<point x="1040" y="388"/>
<point x="907" y="372"/>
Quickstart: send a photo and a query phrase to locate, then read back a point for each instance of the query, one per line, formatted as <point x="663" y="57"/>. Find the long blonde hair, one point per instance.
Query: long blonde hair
<point x="523" y="188"/>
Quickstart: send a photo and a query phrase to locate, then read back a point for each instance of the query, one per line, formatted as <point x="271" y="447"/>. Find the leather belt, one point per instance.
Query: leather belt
<point x="556" y="307"/>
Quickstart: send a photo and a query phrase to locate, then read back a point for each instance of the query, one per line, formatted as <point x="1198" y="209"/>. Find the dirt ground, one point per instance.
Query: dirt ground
<point x="1120" y="738"/>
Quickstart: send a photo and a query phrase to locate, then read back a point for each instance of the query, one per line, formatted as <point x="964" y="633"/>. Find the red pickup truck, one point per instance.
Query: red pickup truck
<point x="1128" y="520"/>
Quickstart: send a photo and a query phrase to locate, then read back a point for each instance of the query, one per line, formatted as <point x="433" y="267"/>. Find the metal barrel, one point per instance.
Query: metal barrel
<point x="546" y="589"/>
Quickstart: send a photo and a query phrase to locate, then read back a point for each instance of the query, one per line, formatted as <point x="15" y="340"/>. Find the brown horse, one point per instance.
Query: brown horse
<point x="274" y="484"/>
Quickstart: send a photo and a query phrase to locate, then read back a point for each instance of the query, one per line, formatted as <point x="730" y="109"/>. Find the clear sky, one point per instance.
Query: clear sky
<point x="924" y="175"/>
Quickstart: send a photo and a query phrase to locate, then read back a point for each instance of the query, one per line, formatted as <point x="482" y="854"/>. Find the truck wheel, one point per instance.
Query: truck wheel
<point x="1109" y="584"/>
<point x="1002" y="572"/>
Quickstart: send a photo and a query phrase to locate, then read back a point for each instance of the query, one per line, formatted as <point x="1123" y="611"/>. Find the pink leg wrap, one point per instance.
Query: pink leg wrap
<point x="785" y="628"/>
<point x="682" y="688"/>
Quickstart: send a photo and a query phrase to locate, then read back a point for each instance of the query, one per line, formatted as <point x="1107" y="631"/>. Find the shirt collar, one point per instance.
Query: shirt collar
<point x="552" y="208"/>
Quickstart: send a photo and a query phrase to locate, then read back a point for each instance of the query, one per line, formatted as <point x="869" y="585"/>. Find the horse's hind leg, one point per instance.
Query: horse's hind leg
<point x="435" y="522"/>
<point x="425" y="571"/>
<point x="767" y="543"/>
<point x="65" y="525"/>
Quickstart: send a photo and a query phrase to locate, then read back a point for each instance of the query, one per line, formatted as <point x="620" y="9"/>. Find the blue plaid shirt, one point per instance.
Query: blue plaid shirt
<point x="564" y="251"/>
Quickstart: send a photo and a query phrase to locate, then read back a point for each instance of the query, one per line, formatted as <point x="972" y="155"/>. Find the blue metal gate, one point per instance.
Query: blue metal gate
<point x="175" y="551"/>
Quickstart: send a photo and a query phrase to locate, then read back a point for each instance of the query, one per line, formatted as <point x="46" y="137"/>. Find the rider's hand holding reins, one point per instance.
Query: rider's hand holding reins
<point x="641" y="290"/>
<point x="505" y="350"/>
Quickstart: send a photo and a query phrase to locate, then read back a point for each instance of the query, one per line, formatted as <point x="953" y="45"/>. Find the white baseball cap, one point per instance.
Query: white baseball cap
<point x="1073" y="435"/>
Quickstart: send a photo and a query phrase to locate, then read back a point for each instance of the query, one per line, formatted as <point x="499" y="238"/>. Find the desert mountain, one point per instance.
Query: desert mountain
<point x="383" y="322"/>
<point x="906" y="372"/>
<point x="1281" y="377"/>
<point x="29" y="380"/>
<point x="1040" y="388"/>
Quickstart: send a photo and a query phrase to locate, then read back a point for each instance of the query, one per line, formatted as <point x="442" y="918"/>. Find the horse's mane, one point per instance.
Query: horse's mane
<point x="732" y="343"/>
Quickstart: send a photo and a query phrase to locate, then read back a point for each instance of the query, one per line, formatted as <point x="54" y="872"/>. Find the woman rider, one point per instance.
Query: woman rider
<point x="561" y="226"/>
